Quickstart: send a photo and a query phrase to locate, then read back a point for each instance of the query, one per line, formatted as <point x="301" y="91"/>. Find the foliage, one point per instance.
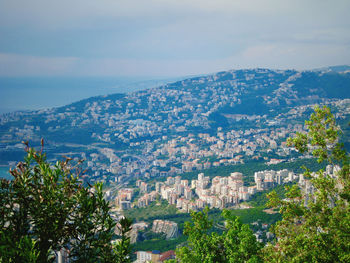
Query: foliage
<point x="46" y="208"/>
<point x="160" y="244"/>
<point x="236" y="244"/>
<point x="123" y="249"/>
<point x="247" y="216"/>
<point x="260" y="199"/>
<point x="25" y="249"/>
<point x="151" y="212"/>
<point x="315" y="227"/>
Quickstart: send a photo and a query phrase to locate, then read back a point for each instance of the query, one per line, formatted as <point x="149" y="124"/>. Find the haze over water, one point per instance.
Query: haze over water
<point x="53" y="53"/>
<point x="34" y="93"/>
<point x="4" y="172"/>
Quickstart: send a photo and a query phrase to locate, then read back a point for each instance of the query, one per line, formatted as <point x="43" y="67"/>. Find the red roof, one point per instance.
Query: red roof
<point x="167" y="255"/>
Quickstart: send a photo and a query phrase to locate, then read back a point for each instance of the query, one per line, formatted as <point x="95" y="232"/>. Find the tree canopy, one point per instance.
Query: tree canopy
<point x="315" y="225"/>
<point x="46" y="208"/>
<point x="236" y="243"/>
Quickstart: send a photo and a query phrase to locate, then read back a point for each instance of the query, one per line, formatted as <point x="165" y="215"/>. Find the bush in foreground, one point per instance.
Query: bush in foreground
<point x="46" y="208"/>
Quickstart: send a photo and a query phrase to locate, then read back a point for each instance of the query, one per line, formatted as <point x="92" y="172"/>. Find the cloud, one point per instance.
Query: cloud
<point x="269" y="55"/>
<point x="298" y="56"/>
<point x="22" y="65"/>
<point x="166" y="37"/>
<point x="84" y="13"/>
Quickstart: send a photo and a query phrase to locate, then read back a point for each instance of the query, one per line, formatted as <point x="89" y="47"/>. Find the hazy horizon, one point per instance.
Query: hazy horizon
<point x="35" y="93"/>
<point x="55" y="47"/>
<point x="169" y="38"/>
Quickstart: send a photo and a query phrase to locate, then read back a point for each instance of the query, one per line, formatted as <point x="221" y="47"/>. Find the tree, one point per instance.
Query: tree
<point x="123" y="249"/>
<point x="236" y="244"/>
<point x="46" y="208"/>
<point x="315" y="227"/>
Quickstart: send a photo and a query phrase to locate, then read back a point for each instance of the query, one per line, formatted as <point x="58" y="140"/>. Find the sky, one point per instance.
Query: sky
<point x="168" y="38"/>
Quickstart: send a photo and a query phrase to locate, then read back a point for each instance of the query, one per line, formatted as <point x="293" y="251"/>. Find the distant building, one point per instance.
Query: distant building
<point x="154" y="256"/>
<point x="169" y="228"/>
<point x="143" y="256"/>
<point x="124" y="205"/>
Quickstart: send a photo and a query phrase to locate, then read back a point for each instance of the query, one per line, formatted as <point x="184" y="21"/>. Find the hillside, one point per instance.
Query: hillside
<point x="159" y="131"/>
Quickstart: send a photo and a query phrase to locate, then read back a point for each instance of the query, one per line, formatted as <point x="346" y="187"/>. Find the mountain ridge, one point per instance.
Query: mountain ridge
<point x="142" y="124"/>
<point x="247" y="91"/>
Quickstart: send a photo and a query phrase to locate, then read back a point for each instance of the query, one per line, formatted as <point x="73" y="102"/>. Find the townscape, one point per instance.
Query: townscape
<point x="190" y="125"/>
<point x="174" y="131"/>
<point x="220" y="192"/>
<point x="178" y="147"/>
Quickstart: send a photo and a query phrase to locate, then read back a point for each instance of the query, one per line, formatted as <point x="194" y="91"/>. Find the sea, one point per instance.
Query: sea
<point x="35" y="93"/>
<point x="4" y="172"/>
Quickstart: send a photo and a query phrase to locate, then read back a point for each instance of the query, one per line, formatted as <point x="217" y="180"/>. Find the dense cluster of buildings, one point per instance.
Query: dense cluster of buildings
<point x="220" y="192"/>
<point x="147" y="199"/>
<point x="269" y="178"/>
<point x="171" y="155"/>
<point x="170" y="129"/>
<point x="123" y="199"/>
